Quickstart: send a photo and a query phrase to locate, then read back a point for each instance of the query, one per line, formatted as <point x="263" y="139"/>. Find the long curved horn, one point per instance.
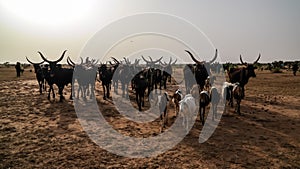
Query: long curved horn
<point x="115" y="60"/>
<point x="216" y="54"/>
<point x="136" y="61"/>
<point x="126" y="61"/>
<point x="145" y="59"/>
<point x="242" y="60"/>
<point x="174" y="62"/>
<point x="170" y="61"/>
<point x="81" y="60"/>
<point x="163" y="64"/>
<point x="96" y="62"/>
<point x="62" y="56"/>
<point x="257" y="59"/>
<point x="34" y="63"/>
<point x="71" y="61"/>
<point x="150" y="59"/>
<point x="157" y="60"/>
<point x="194" y="59"/>
<point x="43" y="57"/>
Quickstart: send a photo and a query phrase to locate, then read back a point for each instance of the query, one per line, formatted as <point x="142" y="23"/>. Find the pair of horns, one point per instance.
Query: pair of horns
<point x="151" y="60"/>
<point x="170" y="62"/>
<point x="198" y="62"/>
<point x="62" y="56"/>
<point x="253" y="62"/>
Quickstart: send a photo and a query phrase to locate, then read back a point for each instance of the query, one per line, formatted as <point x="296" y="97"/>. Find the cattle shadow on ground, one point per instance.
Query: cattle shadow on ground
<point x="232" y="145"/>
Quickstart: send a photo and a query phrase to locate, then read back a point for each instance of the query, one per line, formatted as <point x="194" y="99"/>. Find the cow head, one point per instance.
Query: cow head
<point x="203" y="64"/>
<point x="53" y="64"/>
<point x="167" y="67"/>
<point x="150" y="62"/>
<point x="250" y="67"/>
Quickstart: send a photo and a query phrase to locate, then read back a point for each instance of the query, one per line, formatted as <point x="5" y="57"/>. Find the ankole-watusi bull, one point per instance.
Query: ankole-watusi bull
<point x="242" y="75"/>
<point x="167" y="72"/>
<point x="237" y="93"/>
<point x="85" y="74"/>
<point x="58" y="75"/>
<point x="201" y="69"/>
<point x="40" y="77"/>
<point x="105" y="75"/>
<point x="151" y="74"/>
<point x="140" y="84"/>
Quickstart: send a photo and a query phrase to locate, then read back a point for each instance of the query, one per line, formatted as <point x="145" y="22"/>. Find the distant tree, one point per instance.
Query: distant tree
<point x="6" y="64"/>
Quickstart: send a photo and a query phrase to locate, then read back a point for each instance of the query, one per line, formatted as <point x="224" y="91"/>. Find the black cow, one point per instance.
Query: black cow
<point x="167" y="72"/>
<point x="188" y="73"/>
<point x="151" y="74"/>
<point x="242" y="75"/>
<point x="40" y="77"/>
<point x="115" y="75"/>
<point x="85" y="74"/>
<point x="141" y="84"/>
<point x="201" y="72"/>
<point x="59" y="76"/>
<point x="105" y="75"/>
<point x="238" y="95"/>
<point x="124" y="74"/>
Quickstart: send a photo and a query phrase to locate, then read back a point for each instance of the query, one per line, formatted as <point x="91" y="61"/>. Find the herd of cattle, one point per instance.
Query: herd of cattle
<point x="199" y="82"/>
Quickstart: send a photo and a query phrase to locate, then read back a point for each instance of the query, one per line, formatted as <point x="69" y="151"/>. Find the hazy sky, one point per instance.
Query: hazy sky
<point x="269" y="27"/>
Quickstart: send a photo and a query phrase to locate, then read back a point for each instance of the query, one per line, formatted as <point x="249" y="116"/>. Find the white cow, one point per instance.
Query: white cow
<point x="187" y="109"/>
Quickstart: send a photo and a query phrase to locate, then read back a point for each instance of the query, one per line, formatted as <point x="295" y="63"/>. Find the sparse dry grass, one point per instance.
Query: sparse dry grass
<point x="37" y="133"/>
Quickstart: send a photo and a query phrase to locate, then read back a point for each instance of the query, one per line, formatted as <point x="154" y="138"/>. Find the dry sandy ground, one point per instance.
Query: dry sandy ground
<point x="37" y="133"/>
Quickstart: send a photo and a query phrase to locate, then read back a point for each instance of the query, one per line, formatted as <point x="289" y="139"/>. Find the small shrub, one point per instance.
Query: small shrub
<point x="276" y="70"/>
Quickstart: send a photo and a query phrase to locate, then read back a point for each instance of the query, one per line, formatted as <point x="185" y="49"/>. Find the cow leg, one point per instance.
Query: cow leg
<point x="116" y="87"/>
<point x="202" y="112"/>
<point x="49" y="93"/>
<point x="92" y="91"/>
<point x="78" y="90"/>
<point x="71" y="95"/>
<point x="126" y="90"/>
<point x="53" y="93"/>
<point x="166" y="116"/>
<point x="213" y="109"/>
<point x="142" y="98"/>
<point x="123" y="89"/>
<point x="243" y="92"/>
<point x="60" y="91"/>
<point x="45" y="86"/>
<point x="103" y="86"/>
<point x="107" y="90"/>
<point x="138" y="100"/>
<point x="41" y="86"/>
<point x="238" y="106"/>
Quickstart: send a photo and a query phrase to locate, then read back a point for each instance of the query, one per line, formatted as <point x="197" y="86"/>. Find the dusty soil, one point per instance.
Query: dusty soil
<point x="38" y="133"/>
